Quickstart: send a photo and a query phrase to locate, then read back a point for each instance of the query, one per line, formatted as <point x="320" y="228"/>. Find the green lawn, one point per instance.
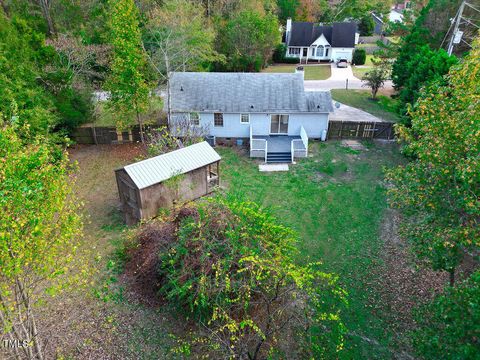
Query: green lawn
<point x="335" y="200"/>
<point x="360" y="71"/>
<point x="312" y="72"/>
<point x="384" y="108"/>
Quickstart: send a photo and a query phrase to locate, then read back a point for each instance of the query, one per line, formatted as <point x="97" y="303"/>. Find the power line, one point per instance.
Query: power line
<point x="460" y="23"/>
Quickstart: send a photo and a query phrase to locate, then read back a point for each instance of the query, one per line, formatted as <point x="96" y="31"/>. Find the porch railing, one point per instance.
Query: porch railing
<point x="258" y="145"/>
<point x="304" y="140"/>
<point x="303" y="135"/>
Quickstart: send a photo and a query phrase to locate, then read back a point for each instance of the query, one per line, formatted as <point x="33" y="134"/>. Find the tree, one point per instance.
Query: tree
<point x="247" y="40"/>
<point x="287" y="9"/>
<point x="375" y="79"/>
<point x="127" y="84"/>
<point x="23" y="57"/>
<point x="179" y="38"/>
<point x="45" y="6"/>
<point x="357" y="9"/>
<point x="39" y="231"/>
<point x="366" y="25"/>
<point x="438" y="191"/>
<point x="448" y="326"/>
<point x="417" y="69"/>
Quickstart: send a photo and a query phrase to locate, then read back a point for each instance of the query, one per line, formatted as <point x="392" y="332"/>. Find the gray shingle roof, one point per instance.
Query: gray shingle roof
<point x="243" y="92"/>
<point x="160" y="168"/>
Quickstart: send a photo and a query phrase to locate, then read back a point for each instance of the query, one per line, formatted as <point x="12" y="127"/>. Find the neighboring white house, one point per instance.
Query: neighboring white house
<point x="272" y="112"/>
<point x="395" y="16"/>
<point x="307" y="41"/>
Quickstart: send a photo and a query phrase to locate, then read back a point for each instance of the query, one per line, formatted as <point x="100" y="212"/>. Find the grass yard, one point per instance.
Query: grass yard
<point x="384" y="108"/>
<point x="335" y="200"/>
<point x="359" y="71"/>
<point x="312" y="72"/>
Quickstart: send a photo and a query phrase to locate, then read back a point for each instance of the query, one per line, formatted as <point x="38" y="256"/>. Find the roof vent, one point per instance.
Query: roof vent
<point x="251" y="106"/>
<point x="318" y="106"/>
<point x="181" y="88"/>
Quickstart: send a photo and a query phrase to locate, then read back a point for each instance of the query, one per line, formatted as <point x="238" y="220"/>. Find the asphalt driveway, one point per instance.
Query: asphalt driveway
<point x="338" y="80"/>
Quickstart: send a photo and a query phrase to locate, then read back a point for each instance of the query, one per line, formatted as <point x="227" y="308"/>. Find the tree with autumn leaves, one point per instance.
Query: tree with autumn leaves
<point x="40" y="228"/>
<point x="127" y="83"/>
<point x="438" y="191"/>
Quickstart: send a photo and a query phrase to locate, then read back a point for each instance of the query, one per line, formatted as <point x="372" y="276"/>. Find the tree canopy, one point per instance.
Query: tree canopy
<point x="40" y="229"/>
<point x="127" y="84"/>
<point x="438" y="190"/>
<point x="247" y="40"/>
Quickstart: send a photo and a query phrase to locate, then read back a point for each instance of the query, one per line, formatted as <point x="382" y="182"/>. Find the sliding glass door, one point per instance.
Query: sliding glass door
<point x="279" y="124"/>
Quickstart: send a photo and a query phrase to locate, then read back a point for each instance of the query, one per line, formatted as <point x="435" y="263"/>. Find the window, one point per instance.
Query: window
<point x="294" y="51"/>
<point x="313" y="51"/>
<point x="195" y="118"/>
<point x="320" y="49"/>
<point x="245" y="118"/>
<point x="218" y="119"/>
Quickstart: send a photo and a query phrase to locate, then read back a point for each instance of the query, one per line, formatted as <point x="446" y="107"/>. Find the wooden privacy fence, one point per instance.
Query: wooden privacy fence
<point x="360" y="130"/>
<point x="107" y="135"/>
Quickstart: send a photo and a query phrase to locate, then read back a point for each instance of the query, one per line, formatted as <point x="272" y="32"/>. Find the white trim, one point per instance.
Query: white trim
<point x="244" y="123"/>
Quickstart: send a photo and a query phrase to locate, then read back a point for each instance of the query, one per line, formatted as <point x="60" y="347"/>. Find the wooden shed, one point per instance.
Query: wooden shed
<point x="162" y="181"/>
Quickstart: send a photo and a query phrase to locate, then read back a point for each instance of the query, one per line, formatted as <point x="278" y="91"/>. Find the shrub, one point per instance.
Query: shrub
<point x="448" y="326"/>
<point x="230" y="268"/>
<point x="359" y="57"/>
<point x="279" y="55"/>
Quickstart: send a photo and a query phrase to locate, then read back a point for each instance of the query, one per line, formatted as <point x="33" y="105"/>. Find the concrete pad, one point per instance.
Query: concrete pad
<point x="272" y="167"/>
<point x="348" y="113"/>
<point x="353" y="144"/>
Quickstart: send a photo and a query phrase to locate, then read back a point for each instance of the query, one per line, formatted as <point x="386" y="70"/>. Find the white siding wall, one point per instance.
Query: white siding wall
<point x="314" y="124"/>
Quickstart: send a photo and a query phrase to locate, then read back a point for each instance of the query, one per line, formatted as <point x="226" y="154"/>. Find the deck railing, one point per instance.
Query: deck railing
<point x="303" y="135"/>
<point x="304" y="141"/>
<point x="258" y="145"/>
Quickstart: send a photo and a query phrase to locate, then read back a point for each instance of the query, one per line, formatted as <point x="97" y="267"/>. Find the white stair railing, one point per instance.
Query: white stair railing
<point x="303" y="140"/>
<point x="266" y="150"/>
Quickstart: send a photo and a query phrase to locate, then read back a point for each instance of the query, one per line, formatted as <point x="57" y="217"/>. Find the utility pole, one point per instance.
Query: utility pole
<point x="457" y="25"/>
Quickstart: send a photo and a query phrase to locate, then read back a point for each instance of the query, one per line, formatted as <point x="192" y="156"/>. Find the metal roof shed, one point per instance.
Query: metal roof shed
<point x="162" y="181"/>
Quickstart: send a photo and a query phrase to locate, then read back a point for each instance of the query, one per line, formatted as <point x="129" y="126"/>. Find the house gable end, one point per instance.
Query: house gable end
<point x="321" y="40"/>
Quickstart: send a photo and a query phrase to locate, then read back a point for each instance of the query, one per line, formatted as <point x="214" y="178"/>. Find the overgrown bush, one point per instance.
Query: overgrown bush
<point x="449" y="325"/>
<point x="230" y="268"/>
<point x="279" y="55"/>
<point x="359" y="57"/>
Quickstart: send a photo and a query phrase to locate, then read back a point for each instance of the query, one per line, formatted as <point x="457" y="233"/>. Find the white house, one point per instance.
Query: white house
<point x="271" y="112"/>
<point x="307" y="41"/>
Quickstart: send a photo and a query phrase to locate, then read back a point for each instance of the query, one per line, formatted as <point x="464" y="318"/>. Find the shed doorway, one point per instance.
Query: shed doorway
<point x="279" y="124"/>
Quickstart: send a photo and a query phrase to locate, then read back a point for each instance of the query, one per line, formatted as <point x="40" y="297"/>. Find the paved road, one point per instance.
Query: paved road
<point x="338" y="80"/>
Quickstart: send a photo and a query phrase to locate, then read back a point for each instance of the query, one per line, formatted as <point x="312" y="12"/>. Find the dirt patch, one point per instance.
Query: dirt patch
<point x="353" y="144"/>
<point x="402" y="284"/>
<point x="141" y="273"/>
